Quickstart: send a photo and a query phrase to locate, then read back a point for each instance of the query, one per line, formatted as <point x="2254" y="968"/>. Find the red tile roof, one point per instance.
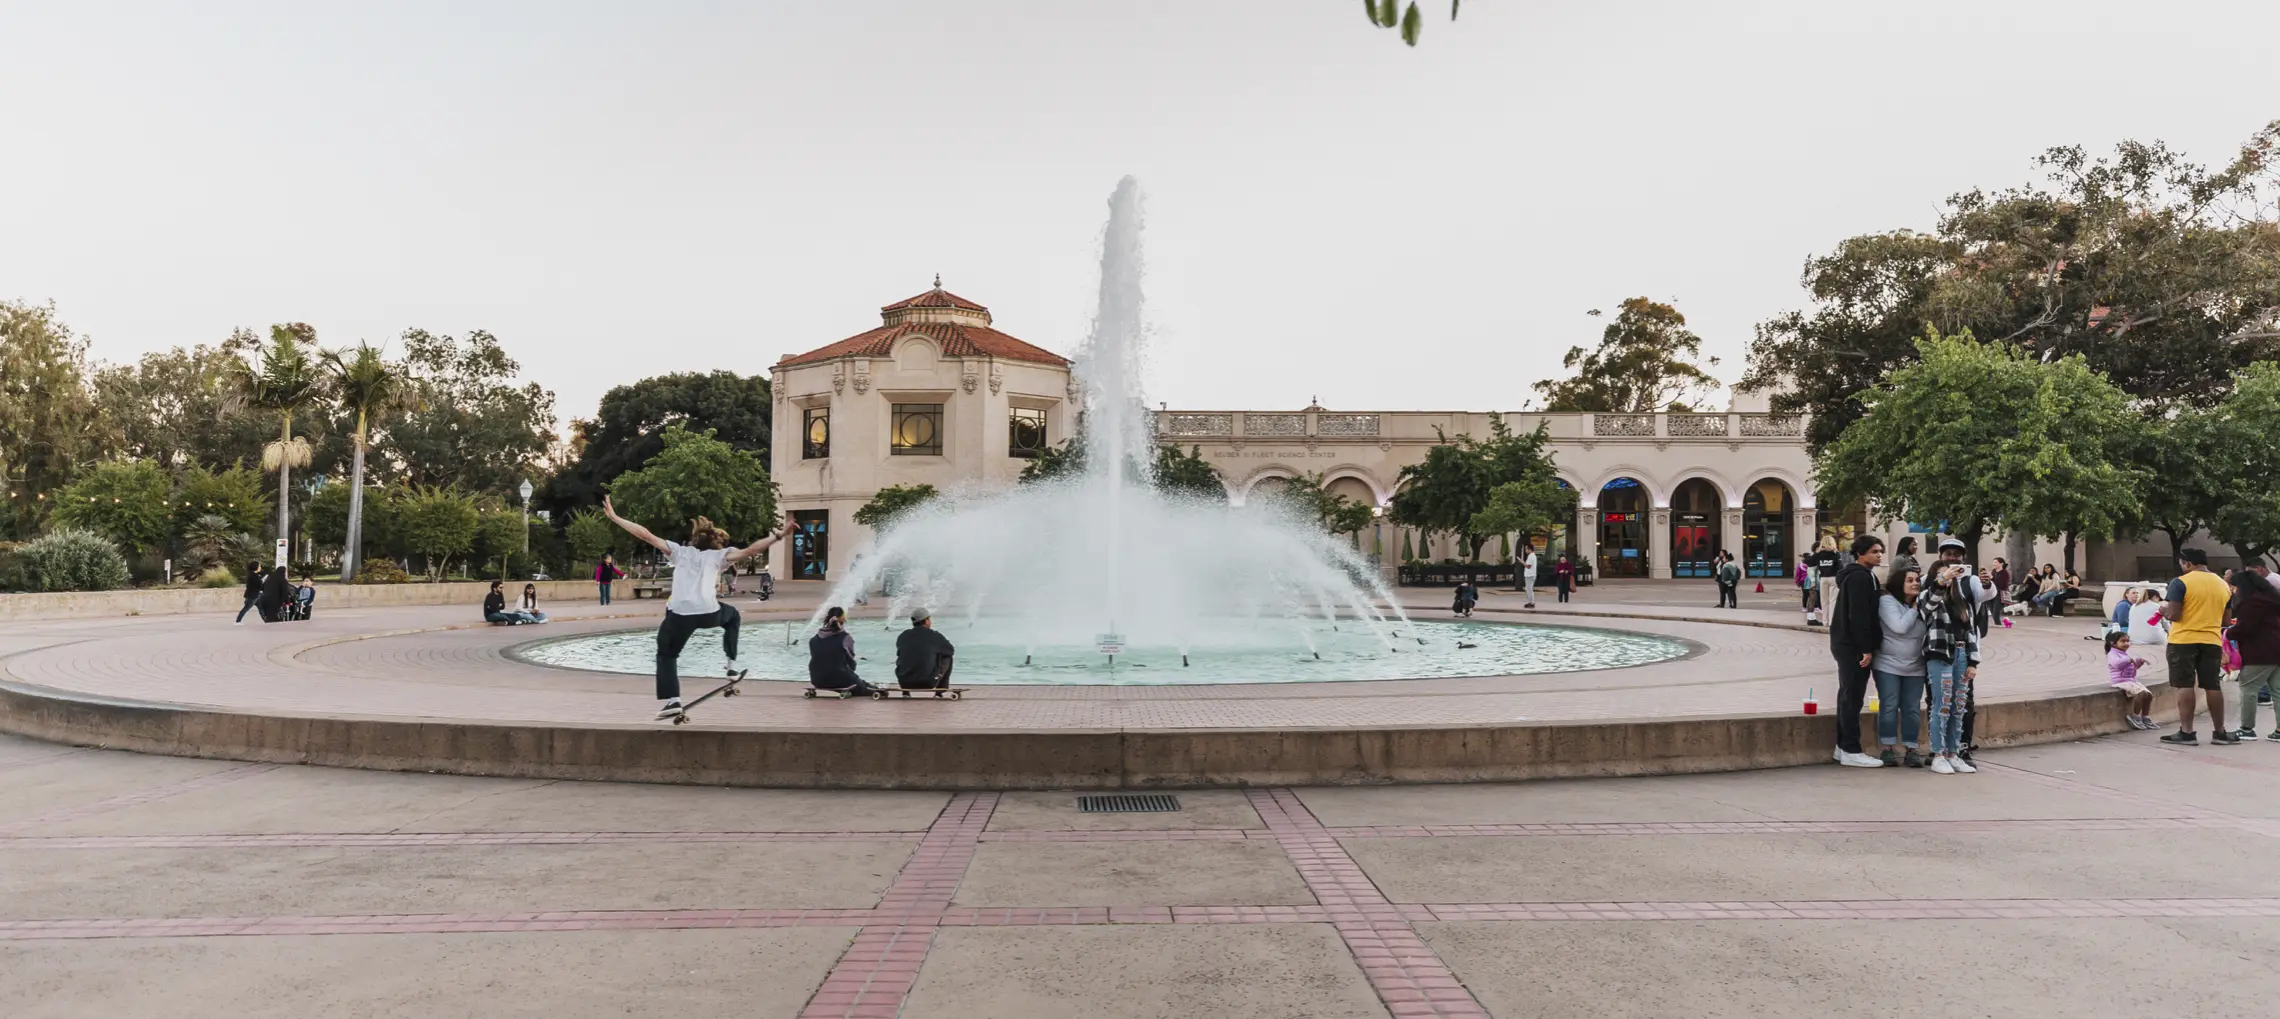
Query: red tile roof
<point x="935" y="298"/>
<point x="953" y="339"/>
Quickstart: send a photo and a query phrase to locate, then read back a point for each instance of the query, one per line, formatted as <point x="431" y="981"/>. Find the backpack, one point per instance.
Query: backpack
<point x="1803" y="573"/>
<point x="1729" y="573"/>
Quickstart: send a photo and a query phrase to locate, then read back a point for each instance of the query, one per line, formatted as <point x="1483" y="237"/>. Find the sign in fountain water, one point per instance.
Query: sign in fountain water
<point x="1106" y="564"/>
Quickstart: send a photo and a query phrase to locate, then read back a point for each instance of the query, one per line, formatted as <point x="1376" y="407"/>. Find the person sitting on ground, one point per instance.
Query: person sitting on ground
<point x="2122" y="671"/>
<point x="923" y="655"/>
<point x="529" y="606"/>
<point x="495" y="607"/>
<point x="831" y="655"/>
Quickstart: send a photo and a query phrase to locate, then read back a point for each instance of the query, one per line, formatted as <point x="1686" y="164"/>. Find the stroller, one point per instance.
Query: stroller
<point x="304" y="600"/>
<point x="764" y="585"/>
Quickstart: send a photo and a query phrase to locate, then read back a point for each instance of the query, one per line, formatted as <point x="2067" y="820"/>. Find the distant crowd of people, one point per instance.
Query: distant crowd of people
<point x="275" y="596"/>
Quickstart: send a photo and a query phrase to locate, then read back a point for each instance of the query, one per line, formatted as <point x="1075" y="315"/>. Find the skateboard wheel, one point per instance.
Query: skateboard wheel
<point x="730" y="692"/>
<point x="680" y="719"/>
<point x="957" y="694"/>
<point x="809" y="694"/>
<point x="879" y="695"/>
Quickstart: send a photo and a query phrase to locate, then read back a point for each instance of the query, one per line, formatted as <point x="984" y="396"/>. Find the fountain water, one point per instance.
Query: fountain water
<point x="1105" y="560"/>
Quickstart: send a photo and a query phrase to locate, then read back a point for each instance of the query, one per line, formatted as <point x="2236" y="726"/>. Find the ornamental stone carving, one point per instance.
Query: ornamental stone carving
<point x="1346" y="424"/>
<point x="1697" y="425"/>
<point x="862" y="376"/>
<point x="1200" y="424"/>
<point x="1772" y="425"/>
<point x="1623" y="425"/>
<point x="969" y="381"/>
<point x="839" y="378"/>
<point x="997" y="378"/>
<point x="1274" y="424"/>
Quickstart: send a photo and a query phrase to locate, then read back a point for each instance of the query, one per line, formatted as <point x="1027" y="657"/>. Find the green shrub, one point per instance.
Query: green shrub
<point x="219" y="576"/>
<point x="69" y="560"/>
<point x="381" y="571"/>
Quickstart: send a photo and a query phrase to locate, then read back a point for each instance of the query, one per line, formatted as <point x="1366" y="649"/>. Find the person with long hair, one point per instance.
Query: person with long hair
<point x="1899" y="667"/>
<point x="694" y="605"/>
<point x="2256" y="634"/>
<point x="831" y="655"/>
<point x="1820" y="570"/>
<point x="1951" y="647"/>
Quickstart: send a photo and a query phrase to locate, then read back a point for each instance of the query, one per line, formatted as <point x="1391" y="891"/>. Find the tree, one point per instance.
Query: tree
<point x="499" y="534"/>
<point x="182" y="406"/>
<point x="2245" y="447"/>
<point x="211" y="542"/>
<point x="68" y="559"/>
<point x="235" y="495"/>
<point x="628" y="429"/>
<point x="282" y="378"/>
<point x="698" y="475"/>
<point x="122" y="500"/>
<point x="1065" y="460"/>
<point x="1447" y="491"/>
<point x="49" y="420"/>
<point x="2165" y="276"/>
<point x="1308" y="498"/>
<point x="1389" y="14"/>
<point x="368" y="387"/>
<point x="591" y="535"/>
<point x="892" y="502"/>
<point x="1524" y="507"/>
<point x="471" y="426"/>
<point x="1644" y="363"/>
<point x="2179" y="454"/>
<point x="1974" y="433"/>
<point x="438" y="523"/>
<point x="1187" y="475"/>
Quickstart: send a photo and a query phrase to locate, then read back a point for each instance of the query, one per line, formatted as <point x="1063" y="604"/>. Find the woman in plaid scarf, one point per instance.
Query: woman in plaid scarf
<point x="1951" y="653"/>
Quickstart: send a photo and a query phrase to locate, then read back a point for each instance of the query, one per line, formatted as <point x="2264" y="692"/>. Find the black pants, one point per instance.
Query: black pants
<point x="673" y="635"/>
<point x="1852" y="695"/>
<point x="247" y="607"/>
<point x="1729" y="594"/>
<point x="1563" y="592"/>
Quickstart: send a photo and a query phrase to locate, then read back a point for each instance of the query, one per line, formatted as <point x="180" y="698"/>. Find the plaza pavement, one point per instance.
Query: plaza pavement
<point x="2110" y="877"/>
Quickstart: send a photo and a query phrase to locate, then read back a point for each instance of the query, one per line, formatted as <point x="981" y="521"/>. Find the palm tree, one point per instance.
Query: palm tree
<point x="371" y="387"/>
<point x="284" y="379"/>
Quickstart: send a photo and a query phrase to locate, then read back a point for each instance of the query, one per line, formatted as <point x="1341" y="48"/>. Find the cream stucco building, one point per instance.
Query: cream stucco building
<point x="937" y="395"/>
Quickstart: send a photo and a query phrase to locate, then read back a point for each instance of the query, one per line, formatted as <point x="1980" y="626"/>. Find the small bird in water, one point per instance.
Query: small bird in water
<point x="1461" y="645"/>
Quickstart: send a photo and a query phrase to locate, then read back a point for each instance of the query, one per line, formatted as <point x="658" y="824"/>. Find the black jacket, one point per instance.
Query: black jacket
<point x="918" y="654"/>
<point x="1854" y="629"/>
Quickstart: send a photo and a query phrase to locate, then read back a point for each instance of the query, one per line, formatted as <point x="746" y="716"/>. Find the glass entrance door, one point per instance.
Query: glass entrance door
<point x="811" y="544"/>
<point x="1690" y="547"/>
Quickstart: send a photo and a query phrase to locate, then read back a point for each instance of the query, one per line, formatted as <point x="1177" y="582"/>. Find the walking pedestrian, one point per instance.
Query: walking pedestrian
<point x="605" y="573"/>
<point x="1951" y="652"/>
<point x="1855" y="632"/>
<point x="694" y="605"/>
<point x="1899" y="668"/>
<point x="1528" y="576"/>
<point x="2256" y="633"/>
<point x="1563" y="577"/>
<point x="1821" y="580"/>
<point x="2194" y="604"/>
<point x="1729" y="581"/>
<point x="252" y="591"/>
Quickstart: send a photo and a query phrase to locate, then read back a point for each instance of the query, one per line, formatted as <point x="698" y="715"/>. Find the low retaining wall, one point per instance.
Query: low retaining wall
<point x="171" y="601"/>
<point x="1083" y="759"/>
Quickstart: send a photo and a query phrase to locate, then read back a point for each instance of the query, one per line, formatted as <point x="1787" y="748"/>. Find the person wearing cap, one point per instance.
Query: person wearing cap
<point x="1975" y="595"/>
<point x="2195" y="608"/>
<point x="922" y="655"/>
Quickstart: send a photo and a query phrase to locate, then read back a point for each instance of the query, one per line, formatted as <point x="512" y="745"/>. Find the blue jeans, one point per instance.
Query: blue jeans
<point x="1951" y="697"/>
<point x="1899" y="708"/>
<point x="605" y="593"/>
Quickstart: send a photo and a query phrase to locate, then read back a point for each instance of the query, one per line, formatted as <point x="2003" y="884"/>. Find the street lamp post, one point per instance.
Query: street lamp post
<point x="525" y="490"/>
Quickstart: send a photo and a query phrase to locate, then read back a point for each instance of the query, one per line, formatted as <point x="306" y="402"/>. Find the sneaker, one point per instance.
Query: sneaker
<point x="2183" y="738"/>
<point x="670" y="708"/>
<point x="1962" y="766"/>
<point x="2226" y="739"/>
<point x="734" y="667"/>
<point x="1837" y="755"/>
<point x="2147" y="722"/>
<point x="1812" y="622"/>
<point x="2246" y="732"/>
<point x="1913" y="760"/>
<point x="1889" y="758"/>
<point x="2275" y="737"/>
<point x="1942" y="765"/>
<point x="1859" y="761"/>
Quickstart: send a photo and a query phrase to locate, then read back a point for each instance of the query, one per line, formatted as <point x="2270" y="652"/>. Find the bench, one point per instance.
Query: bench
<point x="651" y="589"/>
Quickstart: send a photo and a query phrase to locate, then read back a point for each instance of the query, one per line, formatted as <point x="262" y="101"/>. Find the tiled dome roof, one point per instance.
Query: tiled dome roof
<point x="958" y="327"/>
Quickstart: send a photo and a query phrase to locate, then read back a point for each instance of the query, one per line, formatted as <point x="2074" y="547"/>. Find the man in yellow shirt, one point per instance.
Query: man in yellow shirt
<point x="2195" y="608"/>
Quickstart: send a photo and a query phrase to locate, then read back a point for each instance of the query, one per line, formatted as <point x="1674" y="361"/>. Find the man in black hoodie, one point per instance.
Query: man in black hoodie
<point x="1854" y="635"/>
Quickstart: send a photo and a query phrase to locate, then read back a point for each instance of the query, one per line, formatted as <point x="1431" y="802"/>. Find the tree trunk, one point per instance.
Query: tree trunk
<point x="2176" y="543"/>
<point x="285" y="484"/>
<point x="352" y="549"/>
<point x="2071" y="537"/>
<point x="1970" y="535"/>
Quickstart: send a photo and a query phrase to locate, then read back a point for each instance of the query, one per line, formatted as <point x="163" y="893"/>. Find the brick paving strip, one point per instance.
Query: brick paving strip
<point x="1407" y="976"/>
<point x="871" y="979"/>
<point x="87" y="810"/>
<point x="896" y="938"/>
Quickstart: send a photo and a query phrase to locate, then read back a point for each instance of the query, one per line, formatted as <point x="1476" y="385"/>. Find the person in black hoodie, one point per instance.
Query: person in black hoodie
<point x="1855" y="633"/>
<point x="253" y="580"/>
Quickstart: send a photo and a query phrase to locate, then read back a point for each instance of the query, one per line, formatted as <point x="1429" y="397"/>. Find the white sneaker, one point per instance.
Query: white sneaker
<point x="1837" y="754"/>
<point x="1943" y="765"/>
<point x="735" y="666"/>
<point x="1963" y="767"/>
<point x="1858" y="760"/>
<point x="670" y="708"/>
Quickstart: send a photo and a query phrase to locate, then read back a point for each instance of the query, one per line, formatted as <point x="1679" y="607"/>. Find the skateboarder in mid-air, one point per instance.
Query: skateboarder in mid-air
<point x="696" y="568"/>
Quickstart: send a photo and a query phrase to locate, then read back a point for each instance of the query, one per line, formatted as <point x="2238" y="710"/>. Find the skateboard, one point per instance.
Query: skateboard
<point x="812" y="693"/>
<point x="950" y="692"/>
<point x="728" y="689"/>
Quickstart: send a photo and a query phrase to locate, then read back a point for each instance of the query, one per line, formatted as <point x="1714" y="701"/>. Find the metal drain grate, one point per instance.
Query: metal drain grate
<point x="1128" y="803"/>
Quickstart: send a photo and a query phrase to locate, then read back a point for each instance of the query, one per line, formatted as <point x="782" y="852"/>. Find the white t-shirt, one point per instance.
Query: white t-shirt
<point x="2143" y="630"/>
<point x="694" y="575"/>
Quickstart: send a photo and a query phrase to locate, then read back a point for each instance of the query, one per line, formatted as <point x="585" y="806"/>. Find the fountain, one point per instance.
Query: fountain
<point x="1101" y="578"/>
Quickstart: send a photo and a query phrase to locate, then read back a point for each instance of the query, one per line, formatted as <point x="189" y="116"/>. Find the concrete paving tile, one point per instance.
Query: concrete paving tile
<point x="600" y="806"/>
<point x="1131" y="873"/>
<point x="1665" y="868"/>
<point x="1279" y="971"/>
<point x="2238" y="780"/>
<point x="298" y="799"/>
<point x="63" y="782"/>
<point x="1640" y="970"/>
<point x="1199" y="808"/>
<point x="272" y="881"/>
<point x="701" y="974"/>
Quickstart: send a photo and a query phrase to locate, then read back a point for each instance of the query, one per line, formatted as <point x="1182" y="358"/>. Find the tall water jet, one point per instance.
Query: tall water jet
<point x="1061" y="563"/>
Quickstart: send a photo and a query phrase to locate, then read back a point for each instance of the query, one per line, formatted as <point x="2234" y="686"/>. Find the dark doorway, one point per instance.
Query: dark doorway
<point x="1766" y="523"/>
<point x="1694" y="529"/>
<point x="1623" y="529"/>
<point x="811" y="544"/>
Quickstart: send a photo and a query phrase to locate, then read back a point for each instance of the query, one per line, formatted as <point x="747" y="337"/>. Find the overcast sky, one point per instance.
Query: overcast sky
<point x="619" y="190"/>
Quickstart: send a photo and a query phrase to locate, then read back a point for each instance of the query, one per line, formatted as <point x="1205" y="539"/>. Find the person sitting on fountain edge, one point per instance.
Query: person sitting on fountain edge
<point x="831" y="655"/>
<point x="922" y="655"/>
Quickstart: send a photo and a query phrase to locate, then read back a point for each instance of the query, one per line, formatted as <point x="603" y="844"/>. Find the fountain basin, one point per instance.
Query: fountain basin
<point x="992" y="652"/>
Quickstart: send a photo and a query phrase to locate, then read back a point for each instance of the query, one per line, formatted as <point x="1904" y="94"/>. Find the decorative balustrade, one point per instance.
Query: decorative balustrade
<point x="1696" y="425"/>
<point x="1198" y="425"/>
<point x="1623" y="425"/>
<point x="1274" y="424"/>
<point x="1773" y="425"/>
<point x="1346" y="424"/>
